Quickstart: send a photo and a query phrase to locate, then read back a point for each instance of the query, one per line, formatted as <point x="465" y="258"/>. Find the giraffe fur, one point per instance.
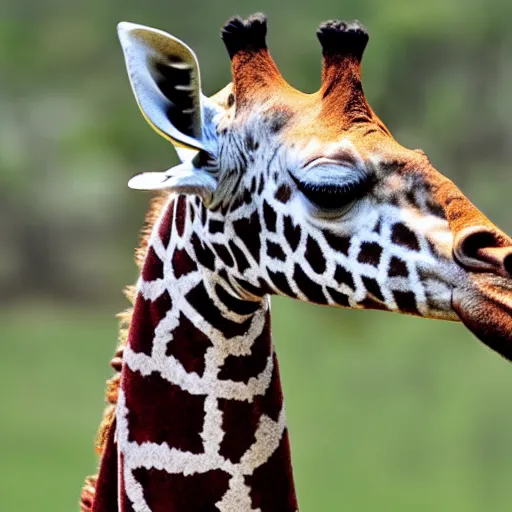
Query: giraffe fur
<point x="279" y="192"/>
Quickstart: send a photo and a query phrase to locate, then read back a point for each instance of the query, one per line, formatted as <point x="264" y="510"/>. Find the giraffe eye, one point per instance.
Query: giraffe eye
<point x="333" y="197"/>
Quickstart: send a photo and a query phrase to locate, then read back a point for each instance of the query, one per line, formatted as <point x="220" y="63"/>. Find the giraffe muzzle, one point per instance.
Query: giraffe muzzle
<point x="484" y="301"/>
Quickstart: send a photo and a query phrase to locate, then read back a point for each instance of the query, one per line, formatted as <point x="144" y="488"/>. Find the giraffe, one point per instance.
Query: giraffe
<point x="279" y="192"/>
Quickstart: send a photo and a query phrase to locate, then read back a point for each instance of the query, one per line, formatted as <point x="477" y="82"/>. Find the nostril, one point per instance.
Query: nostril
<point x="482" y="250"/>
<point x="473" y="242"/>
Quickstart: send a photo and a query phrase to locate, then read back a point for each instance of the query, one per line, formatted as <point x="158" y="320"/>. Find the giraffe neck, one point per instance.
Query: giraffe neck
<point x="200" y="416"/>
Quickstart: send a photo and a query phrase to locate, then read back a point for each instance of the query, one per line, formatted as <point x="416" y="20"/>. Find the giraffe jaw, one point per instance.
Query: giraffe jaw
<point x="484" y="305"/>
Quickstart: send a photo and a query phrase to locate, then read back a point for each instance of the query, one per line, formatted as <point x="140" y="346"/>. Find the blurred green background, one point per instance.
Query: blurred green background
<point x="386" y="412"/>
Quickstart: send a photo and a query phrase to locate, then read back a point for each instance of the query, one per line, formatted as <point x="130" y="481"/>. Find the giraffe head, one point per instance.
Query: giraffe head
<point x="316" y="199"/>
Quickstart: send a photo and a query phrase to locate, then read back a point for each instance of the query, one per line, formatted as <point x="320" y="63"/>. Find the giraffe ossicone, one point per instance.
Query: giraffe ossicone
<point x="278" y="192"/>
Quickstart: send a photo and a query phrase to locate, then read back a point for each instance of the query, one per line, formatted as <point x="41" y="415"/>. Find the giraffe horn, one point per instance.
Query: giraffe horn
<point x="254" y="71"/>
<point x="343" y="45"/>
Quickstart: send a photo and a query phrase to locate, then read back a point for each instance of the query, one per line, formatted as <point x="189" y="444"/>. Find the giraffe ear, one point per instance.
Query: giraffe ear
<point x="164" y="75"/>
<point x="182" y="179"/>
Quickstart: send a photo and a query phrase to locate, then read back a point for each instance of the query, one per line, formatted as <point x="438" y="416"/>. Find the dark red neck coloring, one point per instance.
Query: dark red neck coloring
<point x="200" y="423"/>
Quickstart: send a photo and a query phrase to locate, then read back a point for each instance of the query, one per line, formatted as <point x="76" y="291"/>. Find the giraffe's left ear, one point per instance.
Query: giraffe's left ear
<point x="164" y="76"/>
<point x="182" y="179"/>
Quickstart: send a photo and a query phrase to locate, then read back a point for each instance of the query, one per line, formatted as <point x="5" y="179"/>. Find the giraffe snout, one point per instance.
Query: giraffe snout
<point x="482" y="249"/>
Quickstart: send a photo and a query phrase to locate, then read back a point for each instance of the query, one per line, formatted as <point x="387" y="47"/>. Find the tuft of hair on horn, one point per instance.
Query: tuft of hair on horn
<point x="245" y="35"/>
<point x="342" y="39"/>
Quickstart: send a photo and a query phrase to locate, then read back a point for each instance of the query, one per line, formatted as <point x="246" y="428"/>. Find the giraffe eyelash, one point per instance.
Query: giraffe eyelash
<point x="333" y="196"/>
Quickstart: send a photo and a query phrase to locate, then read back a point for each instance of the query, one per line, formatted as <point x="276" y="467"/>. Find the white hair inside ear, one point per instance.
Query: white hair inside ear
<point x="164" y="75"/>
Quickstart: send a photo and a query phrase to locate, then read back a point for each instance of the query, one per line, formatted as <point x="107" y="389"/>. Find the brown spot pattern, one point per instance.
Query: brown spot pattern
<point x="272" y="483"/>
<point x="370" y="253"/>
<point x="199" y="299"/>
<point x="275" y="251"/>
<point x="181" y="214"/>
<point x="242" y="368"/>
<point x="189" y="345"/>
<point x="248" y="230"/>
<point x="239" y="422"/>
<point x="182" y="263"/>
<point x="153" y="266"/>
<point x="309" y="288"/>
<point x="372" y="287"/>
<point x="338" y="243"/>
<point x="406" y="302"/>
<point x="283" y="194"/>
<point x="343" y="276"/>
<point x="291" y="233"/>
<point x="152" y="403"/>
<point x="223" y="253"/>
<point x="397" y="268"/>
<point x="281" y="283"/>
<point x="402" y="235"/>
<point x="241" y="261"/>
<point x="270" y="217"/>
<point x="146" y="316"/>
<point x="314" y="256"/>
<point x="180" y="490"/>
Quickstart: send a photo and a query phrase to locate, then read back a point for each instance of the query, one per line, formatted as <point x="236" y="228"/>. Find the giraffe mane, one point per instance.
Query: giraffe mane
<point x="156" y="205"/>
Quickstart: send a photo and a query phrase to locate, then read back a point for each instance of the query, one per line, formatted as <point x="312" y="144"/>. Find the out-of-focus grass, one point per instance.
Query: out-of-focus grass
<point x="393" y="413"/>
<point x="386" y="413"/>
<point x="53" y="365"/>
